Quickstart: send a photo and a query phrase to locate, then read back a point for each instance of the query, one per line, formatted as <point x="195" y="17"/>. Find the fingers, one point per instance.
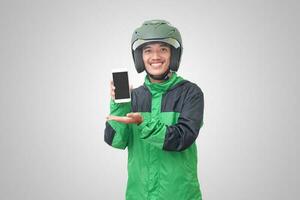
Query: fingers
<point x="137" y="118"/>
<point x="130" y="114"/>
<point x="130" y="88"/>
<point x="112" y="90"/>
<point x="126" y="120"/>
<point x="131" y="118"/>
<point x="134" y="115"/>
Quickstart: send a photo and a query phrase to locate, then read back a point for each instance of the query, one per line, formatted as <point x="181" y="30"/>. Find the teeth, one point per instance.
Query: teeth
<point x="156" y="64"/>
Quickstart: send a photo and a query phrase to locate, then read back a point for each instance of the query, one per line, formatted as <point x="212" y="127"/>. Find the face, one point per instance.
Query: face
<point x="156" y="57"/>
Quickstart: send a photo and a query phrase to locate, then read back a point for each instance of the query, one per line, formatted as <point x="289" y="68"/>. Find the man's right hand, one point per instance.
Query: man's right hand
<point x="112" y="90"/>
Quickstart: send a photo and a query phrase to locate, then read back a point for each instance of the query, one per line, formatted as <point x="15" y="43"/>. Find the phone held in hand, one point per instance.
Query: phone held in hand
<point x="121" y="83"/>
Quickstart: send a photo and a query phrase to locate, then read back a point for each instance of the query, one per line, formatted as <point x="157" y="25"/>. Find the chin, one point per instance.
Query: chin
<point x="157" y="73"/>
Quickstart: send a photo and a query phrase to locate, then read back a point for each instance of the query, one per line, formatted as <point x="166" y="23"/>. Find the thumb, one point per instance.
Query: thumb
<point x="130" y="87"/>
<point x="129" y="114"/>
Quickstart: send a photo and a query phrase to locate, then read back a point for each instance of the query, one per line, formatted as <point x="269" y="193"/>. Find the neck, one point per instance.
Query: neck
<point x="159" y="81"/>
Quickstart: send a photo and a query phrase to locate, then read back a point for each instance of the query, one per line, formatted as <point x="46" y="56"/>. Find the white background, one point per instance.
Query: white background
<point x="56" y="58"/>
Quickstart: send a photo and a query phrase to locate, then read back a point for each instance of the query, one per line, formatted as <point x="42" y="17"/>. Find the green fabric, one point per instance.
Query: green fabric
<point x="152" y="129"/>
<point x="121" y="138"/>
<point x="153" y="173"/>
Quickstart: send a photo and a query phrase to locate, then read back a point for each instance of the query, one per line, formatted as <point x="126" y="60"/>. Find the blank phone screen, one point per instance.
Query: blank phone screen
<point x="122" y="86"/>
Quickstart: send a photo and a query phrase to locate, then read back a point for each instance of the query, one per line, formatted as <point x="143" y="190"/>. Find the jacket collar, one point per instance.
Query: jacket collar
<point x="163" y="86"/>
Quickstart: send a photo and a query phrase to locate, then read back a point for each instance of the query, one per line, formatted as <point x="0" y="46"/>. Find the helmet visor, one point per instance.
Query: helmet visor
<point x="170" y="41"/>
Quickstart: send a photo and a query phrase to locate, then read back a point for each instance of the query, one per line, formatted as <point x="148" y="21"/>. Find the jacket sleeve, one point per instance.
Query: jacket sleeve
<point x="181" y="135"/>
<point x="116" y="133"/>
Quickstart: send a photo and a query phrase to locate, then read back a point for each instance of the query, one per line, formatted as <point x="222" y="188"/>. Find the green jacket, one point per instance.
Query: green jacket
<point x="162" y="153"/>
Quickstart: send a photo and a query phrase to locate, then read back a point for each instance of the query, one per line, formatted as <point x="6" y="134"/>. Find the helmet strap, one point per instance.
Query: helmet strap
<point x="162" y="77"/>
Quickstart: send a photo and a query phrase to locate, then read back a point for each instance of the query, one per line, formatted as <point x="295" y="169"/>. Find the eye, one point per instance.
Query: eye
<point x="147" y="51"/>
<point x="164" y="49"/>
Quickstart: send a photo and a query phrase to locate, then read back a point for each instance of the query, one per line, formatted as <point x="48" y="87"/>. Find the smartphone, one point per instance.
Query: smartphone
<point x="121" y="82"/>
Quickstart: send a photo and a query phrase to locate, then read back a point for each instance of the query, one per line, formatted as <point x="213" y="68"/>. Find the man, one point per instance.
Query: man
<point x="160" y="125"/>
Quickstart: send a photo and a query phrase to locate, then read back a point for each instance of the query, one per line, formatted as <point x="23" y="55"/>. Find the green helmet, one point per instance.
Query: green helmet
<point x="156" y="31"/>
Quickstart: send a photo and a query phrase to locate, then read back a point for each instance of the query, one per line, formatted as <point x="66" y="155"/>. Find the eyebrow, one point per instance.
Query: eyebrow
<point x="161" y="45"/>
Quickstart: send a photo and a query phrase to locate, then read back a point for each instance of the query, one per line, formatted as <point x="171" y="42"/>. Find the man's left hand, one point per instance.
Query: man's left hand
<point x="131" y="118"/>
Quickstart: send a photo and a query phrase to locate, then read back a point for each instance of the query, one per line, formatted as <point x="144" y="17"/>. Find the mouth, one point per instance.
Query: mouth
<point x="157" y="64"/>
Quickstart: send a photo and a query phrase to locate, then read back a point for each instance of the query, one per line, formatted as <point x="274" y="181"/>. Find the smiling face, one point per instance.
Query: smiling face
<point x="156" y="57"/>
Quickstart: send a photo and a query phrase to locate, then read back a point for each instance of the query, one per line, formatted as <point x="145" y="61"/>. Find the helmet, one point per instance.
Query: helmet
<point x="156" y="31"/>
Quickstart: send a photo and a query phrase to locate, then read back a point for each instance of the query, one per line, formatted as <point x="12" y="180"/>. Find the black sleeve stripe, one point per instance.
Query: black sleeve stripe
<point x="109" y="134"/>
<point x="183" y="134"/>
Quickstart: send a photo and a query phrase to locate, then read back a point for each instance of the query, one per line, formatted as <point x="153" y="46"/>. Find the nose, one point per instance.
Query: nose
<point x="155" y="55"/>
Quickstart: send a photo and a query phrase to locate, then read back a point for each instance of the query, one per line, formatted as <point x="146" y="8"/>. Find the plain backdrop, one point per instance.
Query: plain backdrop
<point x="56" y="59"/>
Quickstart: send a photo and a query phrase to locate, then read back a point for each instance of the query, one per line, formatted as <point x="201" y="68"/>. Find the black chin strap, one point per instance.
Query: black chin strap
<point x="161" y="77"/>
